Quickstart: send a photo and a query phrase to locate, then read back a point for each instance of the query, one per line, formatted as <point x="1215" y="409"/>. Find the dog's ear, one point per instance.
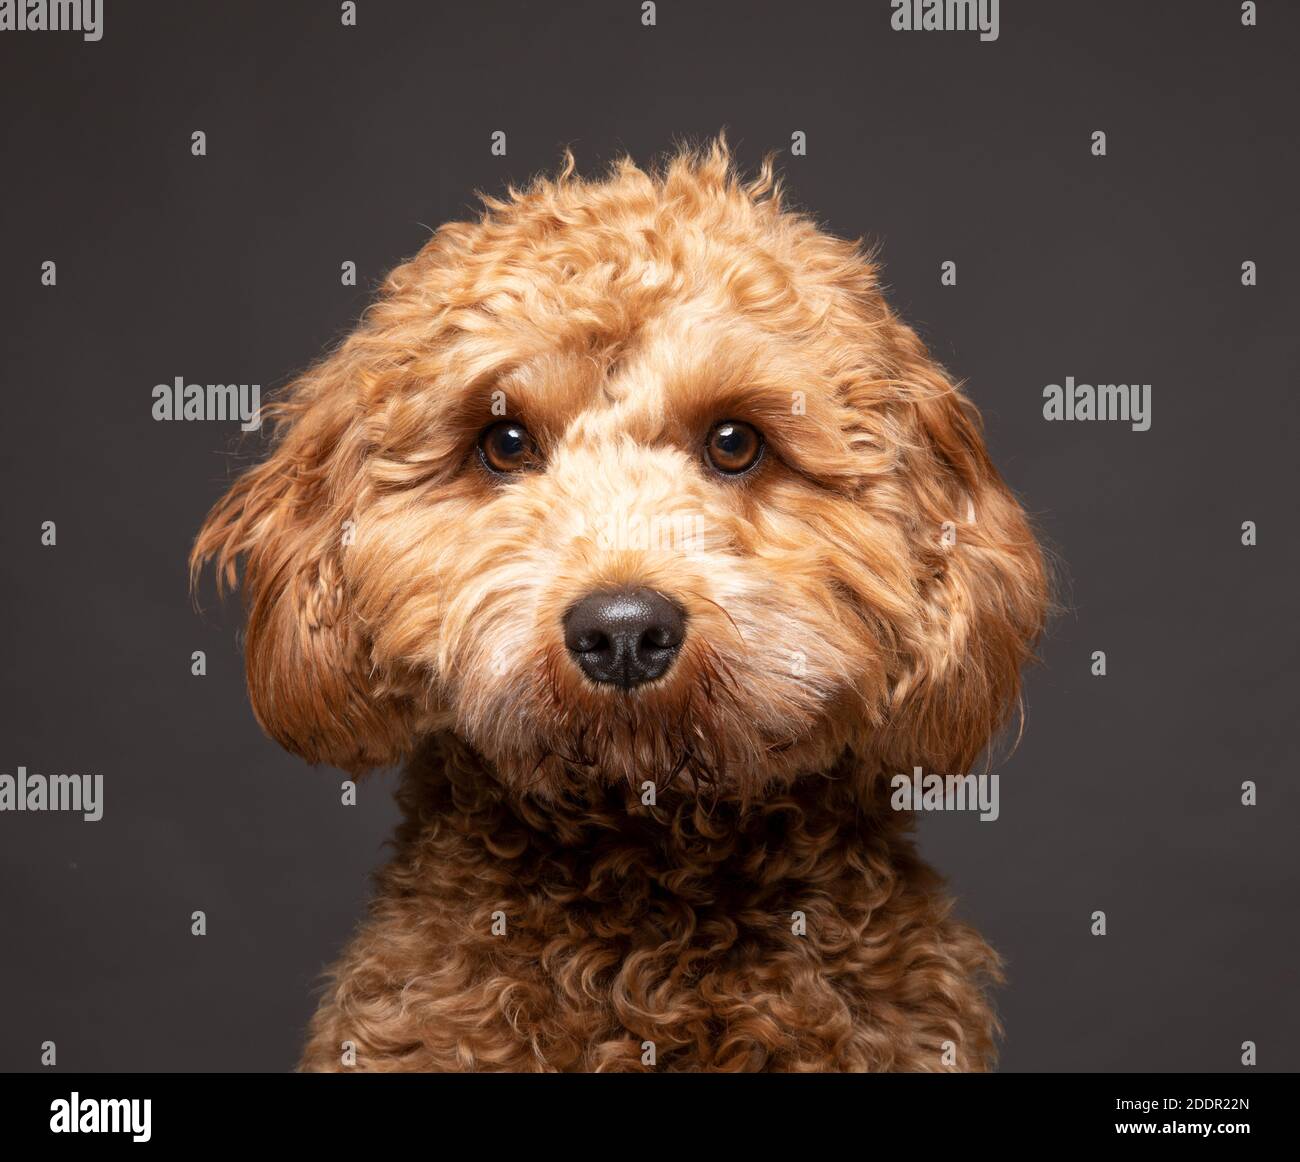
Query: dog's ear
<point x="289" y="520"/>
<point x="981" y="580"/>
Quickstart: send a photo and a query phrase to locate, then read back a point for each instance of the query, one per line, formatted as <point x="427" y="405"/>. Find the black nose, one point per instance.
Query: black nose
<point x="625" y="637"/>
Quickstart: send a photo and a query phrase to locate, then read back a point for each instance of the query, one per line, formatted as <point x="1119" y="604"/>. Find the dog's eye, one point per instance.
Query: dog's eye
<point x="734" y="447"/>
<point x="507" y="447"/>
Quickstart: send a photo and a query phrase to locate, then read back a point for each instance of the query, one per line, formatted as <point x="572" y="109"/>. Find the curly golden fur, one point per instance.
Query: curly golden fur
<point x="701" y="872"/>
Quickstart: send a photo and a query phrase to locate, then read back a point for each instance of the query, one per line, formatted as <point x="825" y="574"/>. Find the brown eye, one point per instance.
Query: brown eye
<point x="734" y="447"/>
<point x="507" y="447"/>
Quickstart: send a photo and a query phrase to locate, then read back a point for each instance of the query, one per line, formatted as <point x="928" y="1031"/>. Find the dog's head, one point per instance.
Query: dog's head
<point x="629" y="479"/>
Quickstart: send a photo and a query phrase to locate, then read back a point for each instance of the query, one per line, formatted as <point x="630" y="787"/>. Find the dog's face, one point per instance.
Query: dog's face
<point x="632" y="480"/>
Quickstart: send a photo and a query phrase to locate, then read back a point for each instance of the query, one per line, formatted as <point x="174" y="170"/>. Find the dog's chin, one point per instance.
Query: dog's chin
<point x="652" y="749"/>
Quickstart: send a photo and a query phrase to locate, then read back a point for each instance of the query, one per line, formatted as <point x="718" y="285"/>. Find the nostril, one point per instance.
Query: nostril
<point x="659" y="637"/>
<point x="589" y="643"/>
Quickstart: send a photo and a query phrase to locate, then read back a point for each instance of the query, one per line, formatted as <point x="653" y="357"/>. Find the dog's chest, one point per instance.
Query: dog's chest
<point x="738" y="953"/>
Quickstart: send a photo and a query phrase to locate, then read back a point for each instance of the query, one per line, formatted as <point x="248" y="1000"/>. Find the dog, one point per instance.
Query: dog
<point x="638" y="528"/>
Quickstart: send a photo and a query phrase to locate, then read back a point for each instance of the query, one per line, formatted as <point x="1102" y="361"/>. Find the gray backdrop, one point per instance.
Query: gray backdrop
<point x="328" y="143"/>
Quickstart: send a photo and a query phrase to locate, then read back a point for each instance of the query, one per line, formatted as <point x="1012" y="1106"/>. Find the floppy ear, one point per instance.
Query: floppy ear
<point x="308" y="671"/>
<point x="982" y="585"/>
